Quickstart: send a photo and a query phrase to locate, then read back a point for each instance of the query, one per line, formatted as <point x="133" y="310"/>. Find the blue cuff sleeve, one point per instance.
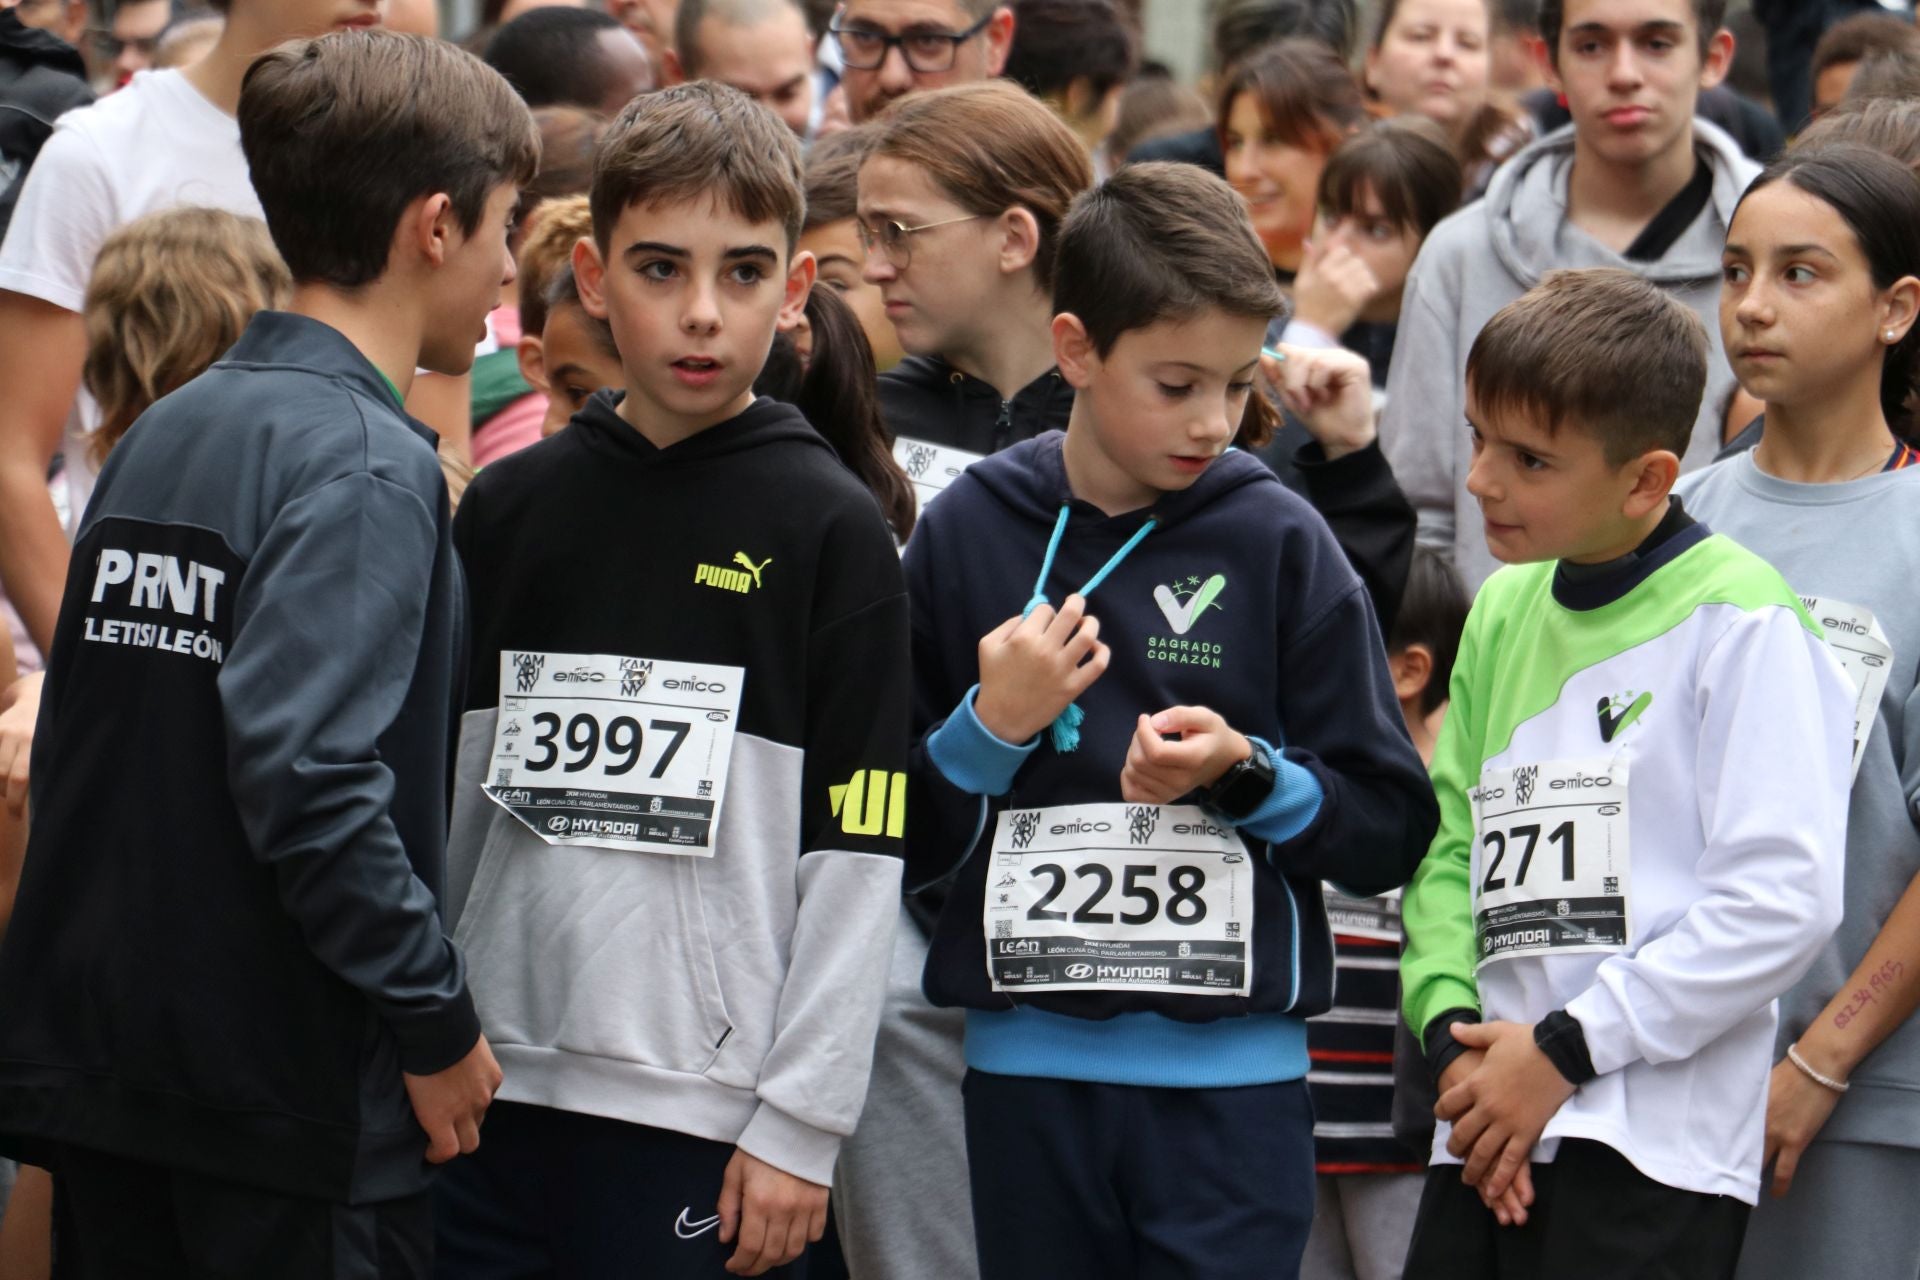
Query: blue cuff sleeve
<point x="1293" y="804"/>
<point x="972" y="759"/>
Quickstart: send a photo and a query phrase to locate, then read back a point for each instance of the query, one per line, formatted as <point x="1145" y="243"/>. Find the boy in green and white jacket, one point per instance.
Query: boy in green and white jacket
<point x="1643" y="789"/>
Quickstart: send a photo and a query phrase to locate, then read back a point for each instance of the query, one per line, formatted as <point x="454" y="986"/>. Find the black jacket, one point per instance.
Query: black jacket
<point x="227" y="945"/>
<point x="41" y="78"/>
<point x="925" y="398"/>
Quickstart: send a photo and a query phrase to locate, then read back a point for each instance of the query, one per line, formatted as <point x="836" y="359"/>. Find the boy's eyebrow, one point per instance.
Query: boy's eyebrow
<point x="675" y="251"/>
<point x="566" y="369"/>
<point x="1659" y="26"/>
<point x="1201" y="368"/>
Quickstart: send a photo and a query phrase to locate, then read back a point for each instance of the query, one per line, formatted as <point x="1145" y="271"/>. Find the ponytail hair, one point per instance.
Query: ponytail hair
<point x="837" y="391"/>
<point x="1879" y="200"/>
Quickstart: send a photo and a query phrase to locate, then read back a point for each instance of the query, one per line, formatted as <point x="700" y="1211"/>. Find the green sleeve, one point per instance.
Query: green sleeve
<point x="1437" y="964"/>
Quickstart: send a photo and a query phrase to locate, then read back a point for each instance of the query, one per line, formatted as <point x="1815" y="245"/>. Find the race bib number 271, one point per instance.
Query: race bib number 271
<point x="614" y="752"/>
<point x="1551" y="865"/>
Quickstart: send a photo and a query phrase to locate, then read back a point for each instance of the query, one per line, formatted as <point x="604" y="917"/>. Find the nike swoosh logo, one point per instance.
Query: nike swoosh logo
<point x="1181" y="617"/>
<point x="687" y="1230"/>
<point x="1611" y="724"/>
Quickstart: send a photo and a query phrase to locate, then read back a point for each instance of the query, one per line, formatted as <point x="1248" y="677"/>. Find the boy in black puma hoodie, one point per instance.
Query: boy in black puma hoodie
<point x="677" y="821"/>
<point x="1138" y="811"/>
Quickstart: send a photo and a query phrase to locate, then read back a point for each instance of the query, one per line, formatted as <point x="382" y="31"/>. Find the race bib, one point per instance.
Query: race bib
<point x="1855" y="637"/>
<point x="617" y="753"/>
<point x="1550" y="859"/>
<point x="931" y="467"/>
<point x="1119" y="897"/>
<point x="1375" y="918"/>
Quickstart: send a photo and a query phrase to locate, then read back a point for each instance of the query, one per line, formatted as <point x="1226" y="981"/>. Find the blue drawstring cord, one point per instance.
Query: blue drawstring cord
<point x="1065" y="730"/>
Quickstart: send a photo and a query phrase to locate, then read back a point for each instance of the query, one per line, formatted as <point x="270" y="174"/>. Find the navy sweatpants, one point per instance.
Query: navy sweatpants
<point x="1118" y="1182"/>
<point x="555" y="1195"/>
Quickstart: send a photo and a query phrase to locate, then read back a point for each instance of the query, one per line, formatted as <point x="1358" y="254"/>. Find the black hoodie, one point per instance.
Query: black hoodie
<point x="42" y="77"/>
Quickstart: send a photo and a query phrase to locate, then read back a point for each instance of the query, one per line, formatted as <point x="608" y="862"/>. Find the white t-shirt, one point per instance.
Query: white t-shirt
<point x="153" y="145"/>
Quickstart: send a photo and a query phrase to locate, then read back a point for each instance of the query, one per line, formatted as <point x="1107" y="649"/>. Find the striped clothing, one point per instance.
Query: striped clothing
<point x="1350" y="1050"/>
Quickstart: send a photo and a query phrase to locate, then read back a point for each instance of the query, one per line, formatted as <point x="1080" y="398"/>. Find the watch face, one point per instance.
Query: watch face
<point x="1242" y="788"/>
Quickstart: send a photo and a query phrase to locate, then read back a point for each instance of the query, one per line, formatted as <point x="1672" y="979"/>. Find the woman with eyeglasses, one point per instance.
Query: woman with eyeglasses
<point x="961" y="194"/>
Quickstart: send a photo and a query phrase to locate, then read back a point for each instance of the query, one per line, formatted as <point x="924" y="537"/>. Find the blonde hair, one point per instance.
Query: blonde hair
<point x="170" y="293"/>
<point x="547" y="250"/>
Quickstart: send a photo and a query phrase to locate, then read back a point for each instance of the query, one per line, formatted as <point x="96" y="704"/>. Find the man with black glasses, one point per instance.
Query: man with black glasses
<point x="890" y="48"/>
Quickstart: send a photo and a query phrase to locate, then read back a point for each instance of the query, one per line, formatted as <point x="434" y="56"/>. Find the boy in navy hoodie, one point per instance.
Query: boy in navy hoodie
<point x="1137" y="811"/>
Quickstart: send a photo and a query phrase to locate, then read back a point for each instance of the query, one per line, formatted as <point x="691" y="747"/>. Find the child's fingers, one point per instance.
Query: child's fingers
<point x="1081" y="678"/>
<point x="1486" y="1150"/>
<point x="1454" y="1103"/>
<point x="1002" y="633"/>
<point x="442" y="1143"/>
<point x="728" y="1206"/>
<point x="1466" y="1131"/>
<point x="1783" y="1170"/>
<point x="1061" y="624"/>
<point x="1506" y="1168"/>
<point x="746" y="1259"/>
<point x="1083" y="641"/>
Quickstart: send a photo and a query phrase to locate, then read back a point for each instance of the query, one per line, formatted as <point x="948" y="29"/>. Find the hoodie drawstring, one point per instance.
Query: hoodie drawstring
<point x="1065" y="730"/>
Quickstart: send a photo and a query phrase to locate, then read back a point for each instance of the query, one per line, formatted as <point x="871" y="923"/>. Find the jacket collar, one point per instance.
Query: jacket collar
<point x="301" y="342"/>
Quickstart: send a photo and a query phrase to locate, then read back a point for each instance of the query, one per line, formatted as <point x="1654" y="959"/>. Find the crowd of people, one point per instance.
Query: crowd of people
<point x="874" y="639"/>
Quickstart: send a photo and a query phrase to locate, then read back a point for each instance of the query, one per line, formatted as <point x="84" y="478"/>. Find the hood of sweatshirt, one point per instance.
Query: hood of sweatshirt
<point x="1030" y="479"/>
<point x="1526" y="212"/>
<point x="600" y="428"/>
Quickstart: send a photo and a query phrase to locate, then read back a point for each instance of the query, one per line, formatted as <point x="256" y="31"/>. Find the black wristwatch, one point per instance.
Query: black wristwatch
<point x="1243" y="788"/>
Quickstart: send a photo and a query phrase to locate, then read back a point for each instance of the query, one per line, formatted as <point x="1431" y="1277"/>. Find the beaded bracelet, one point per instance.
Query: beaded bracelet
<point x="1793" y="1056"/>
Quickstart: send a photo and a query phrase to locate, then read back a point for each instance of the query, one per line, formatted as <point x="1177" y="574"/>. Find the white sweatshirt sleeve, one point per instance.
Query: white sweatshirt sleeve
<point x="1773" y="776"/>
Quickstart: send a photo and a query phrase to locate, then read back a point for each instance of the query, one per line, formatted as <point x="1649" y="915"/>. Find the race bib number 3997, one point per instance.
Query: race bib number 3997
<point x="1550" y="859"/>
<point x="614" y="752"/>
<point x="1119" y="897"/>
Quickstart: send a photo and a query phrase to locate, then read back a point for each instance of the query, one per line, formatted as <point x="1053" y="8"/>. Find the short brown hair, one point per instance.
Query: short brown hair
<point x="991" y="146"/>
<point x="552" y="232"/>
<point x="1615" y="355"/>
<point x="833" y="175"/>
<point x="1853" y="39"/>
<point x="1305" y="93"/>
<point x="1160" y="241"/>
<point x="698" y="139"/>
<point x="170" y="293"/>
<point x="1890" y="126"/>
<point x="1408" y="166"/>
<point x="343" y="132"/>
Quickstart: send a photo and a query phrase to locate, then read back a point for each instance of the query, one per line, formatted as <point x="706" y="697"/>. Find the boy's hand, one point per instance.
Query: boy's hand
<point x="1797" y="1108"/>
<point x="774" y="1214"/>
<point x="1032" y="668"/>
<point x="1330" y="390"/>
<point x="1511" y="1208"/>
<point x="19" y="708"/>
<point x="1159" y="772"/>
<point x="1499" y="1112"/>
<point x="1332" y="287"/>
<point x="450" y="1104"/>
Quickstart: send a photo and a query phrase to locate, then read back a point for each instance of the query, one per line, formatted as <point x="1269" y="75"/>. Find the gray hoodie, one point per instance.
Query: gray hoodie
<point x="1485" y="256"/>
<point x="1858" y="543"/>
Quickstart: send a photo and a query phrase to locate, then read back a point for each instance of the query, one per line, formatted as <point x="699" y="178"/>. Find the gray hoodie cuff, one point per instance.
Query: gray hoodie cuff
<point x="790" y="1145"/>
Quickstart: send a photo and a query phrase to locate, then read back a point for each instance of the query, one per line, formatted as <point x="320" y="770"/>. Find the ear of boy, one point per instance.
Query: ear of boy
<point x="1412" y="668"/>
<point x="531" y="355"/>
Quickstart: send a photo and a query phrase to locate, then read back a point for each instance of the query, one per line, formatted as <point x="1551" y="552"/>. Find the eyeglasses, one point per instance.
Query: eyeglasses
<point x="892" y="239"/>
<point x="107" y="46"/>
<point x="864" y="49"/>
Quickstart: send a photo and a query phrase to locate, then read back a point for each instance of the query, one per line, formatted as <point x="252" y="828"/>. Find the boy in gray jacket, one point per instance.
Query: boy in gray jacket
<point x="1636" y="182"/>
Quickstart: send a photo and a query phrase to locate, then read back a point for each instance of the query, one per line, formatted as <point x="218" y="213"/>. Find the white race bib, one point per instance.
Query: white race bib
<point x="1550" y="859"/>
<point x="931" y="467"/>
<point x="617" y="753"/>
<point x="1375" y="918"/>
<point x="1119" y="897"/>
<point x="1855" y="637"/>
